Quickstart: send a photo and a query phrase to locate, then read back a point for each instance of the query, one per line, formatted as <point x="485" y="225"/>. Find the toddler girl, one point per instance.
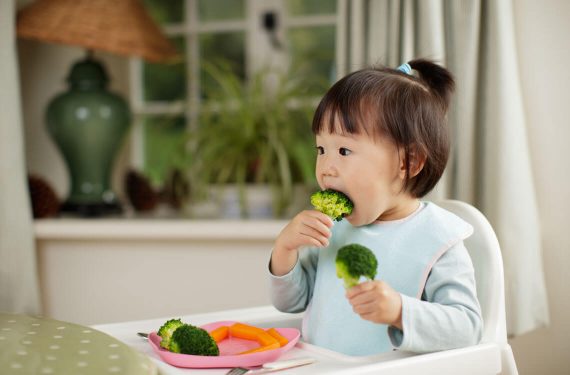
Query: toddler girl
<point x="382" y="140"/>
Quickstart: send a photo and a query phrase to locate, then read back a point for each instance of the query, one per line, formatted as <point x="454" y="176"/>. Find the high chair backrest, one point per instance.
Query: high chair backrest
<point x="485" y="253"/>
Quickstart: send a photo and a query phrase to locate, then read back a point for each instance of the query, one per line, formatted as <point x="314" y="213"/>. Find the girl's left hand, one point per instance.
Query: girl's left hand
<point x="377" y="302"/>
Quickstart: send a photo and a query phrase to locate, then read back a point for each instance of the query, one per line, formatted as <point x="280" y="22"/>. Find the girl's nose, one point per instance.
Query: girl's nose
<point x="326" y="166"/>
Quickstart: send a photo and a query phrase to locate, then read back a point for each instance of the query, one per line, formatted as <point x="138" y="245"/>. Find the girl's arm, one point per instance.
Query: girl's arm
<point x="291" y="278"/>
<point x="292" y="292"/>
<point x="449" y="315"/>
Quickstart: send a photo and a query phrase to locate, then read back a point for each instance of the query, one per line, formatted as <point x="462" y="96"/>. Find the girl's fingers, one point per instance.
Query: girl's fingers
<point x="313" y="234"/>
<point x="325" y="219"/>
<point x="319" y="216"/>
<point x="359" y="289"/>
<point x="313" y="242"/>
<point x="360" y="299"/>
<point x="318" y="228"/>
<point x="307" y="228"/>
<point x="369" y="316"/>
<point x="365" y="308"/>
<point x="317" y="224"/>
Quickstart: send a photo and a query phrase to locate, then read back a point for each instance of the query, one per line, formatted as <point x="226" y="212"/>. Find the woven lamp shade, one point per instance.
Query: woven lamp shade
<point x="117" y="26"/>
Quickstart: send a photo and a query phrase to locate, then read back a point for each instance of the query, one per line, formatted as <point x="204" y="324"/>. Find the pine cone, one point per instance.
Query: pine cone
<point x="45" y="202"/>
<point x="140" y="192"/>
<point x="176" y="190"/>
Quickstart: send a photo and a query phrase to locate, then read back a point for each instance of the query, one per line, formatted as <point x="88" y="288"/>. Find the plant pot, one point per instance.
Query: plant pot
<point x="223" y="202"/>
<point x="257" y="204"/>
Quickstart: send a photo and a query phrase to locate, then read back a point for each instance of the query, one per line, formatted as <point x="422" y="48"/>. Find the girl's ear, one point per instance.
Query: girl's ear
<point x="417" y="161"/>
<point x="402" y="167"/>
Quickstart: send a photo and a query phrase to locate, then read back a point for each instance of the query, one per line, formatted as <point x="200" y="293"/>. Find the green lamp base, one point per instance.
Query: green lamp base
<point x="88" y="124"/>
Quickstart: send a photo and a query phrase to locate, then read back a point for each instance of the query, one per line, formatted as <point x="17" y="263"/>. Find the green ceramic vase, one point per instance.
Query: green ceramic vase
<point x="88" y="123"/>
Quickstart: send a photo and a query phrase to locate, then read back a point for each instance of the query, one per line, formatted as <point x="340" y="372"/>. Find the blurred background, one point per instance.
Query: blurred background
<point x="248" y="74"/>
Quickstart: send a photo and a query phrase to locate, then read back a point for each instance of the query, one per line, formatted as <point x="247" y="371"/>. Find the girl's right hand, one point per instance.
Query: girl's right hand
<point x="308" y="228"/>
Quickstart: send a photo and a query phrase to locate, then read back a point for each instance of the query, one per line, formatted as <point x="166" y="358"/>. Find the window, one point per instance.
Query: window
<point x="248" y="34"/>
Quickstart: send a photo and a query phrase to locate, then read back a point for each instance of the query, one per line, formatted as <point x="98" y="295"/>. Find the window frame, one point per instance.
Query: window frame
<point x="256" y="45"/>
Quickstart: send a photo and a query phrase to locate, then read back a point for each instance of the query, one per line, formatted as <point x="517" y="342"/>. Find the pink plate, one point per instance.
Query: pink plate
<point x="228" y="350"/>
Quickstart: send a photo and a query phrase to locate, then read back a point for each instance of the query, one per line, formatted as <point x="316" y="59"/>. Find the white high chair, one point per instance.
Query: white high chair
<point x="492" y="356"/>
<point x="485" y="253"/>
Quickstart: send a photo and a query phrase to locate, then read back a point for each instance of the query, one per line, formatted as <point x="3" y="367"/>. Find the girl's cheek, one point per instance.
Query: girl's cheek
<point x="319" y="181"/>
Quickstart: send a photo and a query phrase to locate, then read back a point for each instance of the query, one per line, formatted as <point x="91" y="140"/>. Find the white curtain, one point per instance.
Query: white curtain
<point x="18" y="274"/>
<point x="489" y="166"/>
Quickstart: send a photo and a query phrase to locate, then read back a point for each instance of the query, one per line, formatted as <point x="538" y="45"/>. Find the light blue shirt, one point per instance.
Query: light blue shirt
<point x="422" y="255"/>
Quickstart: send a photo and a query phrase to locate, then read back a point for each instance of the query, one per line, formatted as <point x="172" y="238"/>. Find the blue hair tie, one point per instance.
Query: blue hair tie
<point x="405" y="68"/>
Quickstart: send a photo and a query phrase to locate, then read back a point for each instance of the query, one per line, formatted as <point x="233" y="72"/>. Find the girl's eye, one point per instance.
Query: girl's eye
<point x="320" y="150"/>
<point x="344" y="151"/>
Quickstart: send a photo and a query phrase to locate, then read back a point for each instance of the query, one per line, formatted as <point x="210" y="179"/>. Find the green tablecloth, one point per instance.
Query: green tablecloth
<point x="37" y="345"/>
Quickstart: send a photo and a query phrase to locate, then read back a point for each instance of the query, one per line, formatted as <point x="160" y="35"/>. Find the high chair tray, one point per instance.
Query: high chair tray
<point x="475" y="360"/>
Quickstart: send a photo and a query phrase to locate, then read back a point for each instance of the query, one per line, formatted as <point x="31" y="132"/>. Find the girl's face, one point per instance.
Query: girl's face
<point x="369" y="171"/>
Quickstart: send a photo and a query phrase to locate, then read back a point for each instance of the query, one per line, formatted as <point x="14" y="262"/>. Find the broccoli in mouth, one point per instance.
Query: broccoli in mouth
<point x="354" y="261"/>
<point x="332" y="203"/>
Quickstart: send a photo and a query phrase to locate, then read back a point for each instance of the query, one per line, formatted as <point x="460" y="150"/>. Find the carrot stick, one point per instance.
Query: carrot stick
<point x="276" y="335"/>
<point x="265" y="338"/>
<point x="275" y="345"/>
<point x="244" y="331"/>
<point x="220" y="333"/>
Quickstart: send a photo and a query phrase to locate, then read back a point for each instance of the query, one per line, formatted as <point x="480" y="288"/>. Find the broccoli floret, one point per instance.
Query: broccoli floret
<point x="332" y="203"/>
<point x="167" y="330"/>
<point x="354" y="261"/>
<point x="189" y="339"/>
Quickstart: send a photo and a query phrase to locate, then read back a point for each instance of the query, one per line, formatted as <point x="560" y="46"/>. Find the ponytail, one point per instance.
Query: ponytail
<point x="438" y="79"/>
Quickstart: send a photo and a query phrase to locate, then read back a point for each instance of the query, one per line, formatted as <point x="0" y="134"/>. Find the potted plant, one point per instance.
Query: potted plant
<point x="253" y="134"/>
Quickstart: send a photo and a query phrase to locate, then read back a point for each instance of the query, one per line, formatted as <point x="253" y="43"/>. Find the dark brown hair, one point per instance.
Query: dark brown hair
<point x="408" y="110"/>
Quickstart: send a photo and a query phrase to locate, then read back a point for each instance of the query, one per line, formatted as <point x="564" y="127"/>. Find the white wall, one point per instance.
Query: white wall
<point x="103" y="271"/>
<point x="543" y="28"/>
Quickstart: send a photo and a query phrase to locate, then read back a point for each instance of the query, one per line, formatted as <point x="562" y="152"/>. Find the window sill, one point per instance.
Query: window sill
<point x="156" y="229"/>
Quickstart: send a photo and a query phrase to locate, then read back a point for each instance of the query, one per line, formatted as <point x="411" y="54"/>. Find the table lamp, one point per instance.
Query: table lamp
<point x="87" y="122"/>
